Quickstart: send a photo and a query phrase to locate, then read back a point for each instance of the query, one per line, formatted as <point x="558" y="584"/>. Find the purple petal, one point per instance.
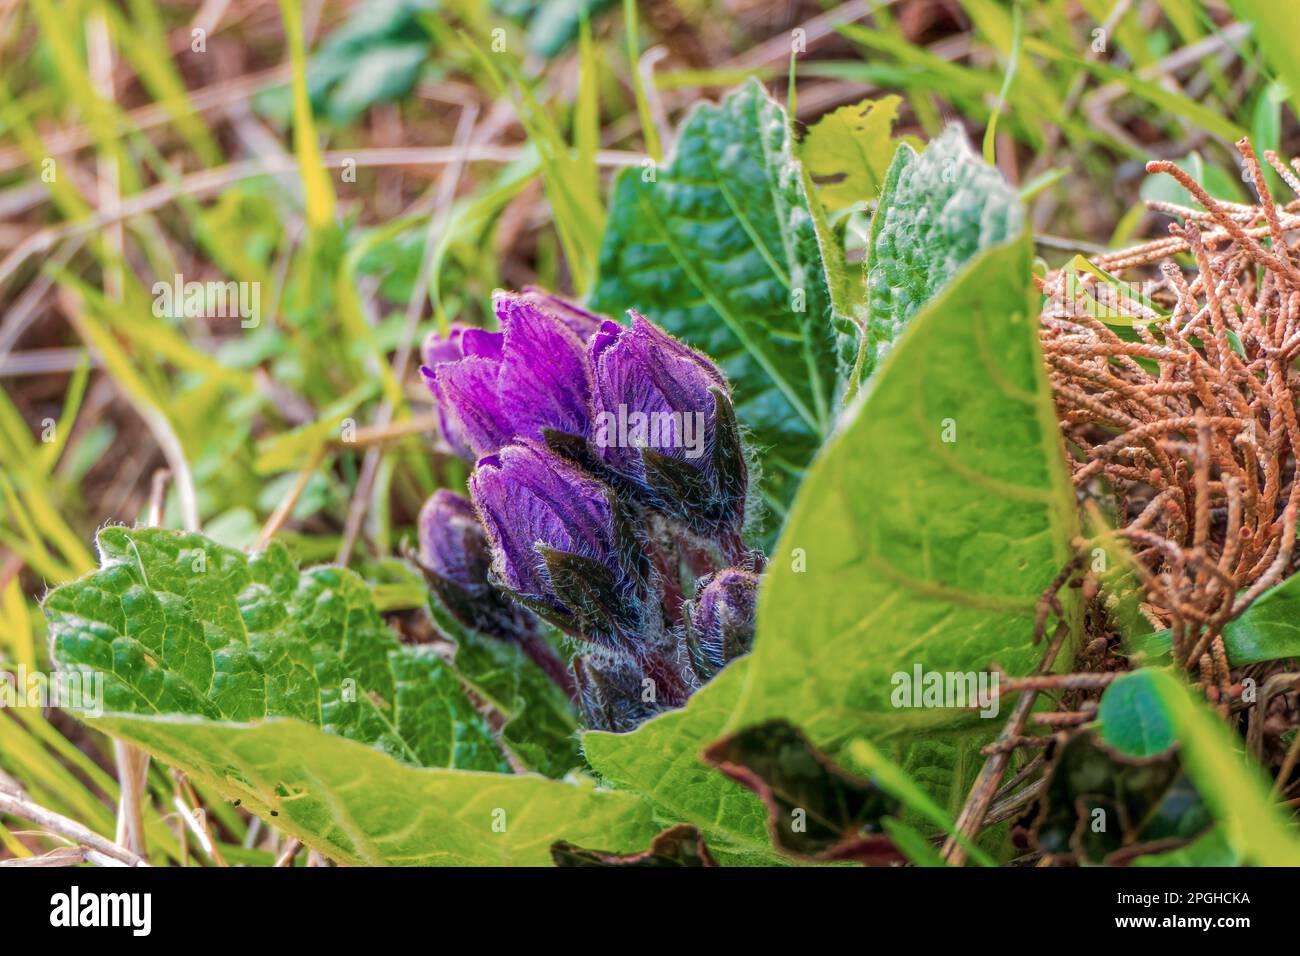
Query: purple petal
<point x="582" y="322"/>
<point x="644" y="370"/>
<point x="545" y="381"/>
<point x="467" y="394"/>
<point x="527" y="497"/>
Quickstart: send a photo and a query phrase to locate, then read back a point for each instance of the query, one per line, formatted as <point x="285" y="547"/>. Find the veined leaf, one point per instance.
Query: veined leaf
<point x="902" y="550"/>
<point x="359" y="806"/>
<point x="284" y="689"/>
<point x="177" y="624"/>
<point x="719" y="247"/>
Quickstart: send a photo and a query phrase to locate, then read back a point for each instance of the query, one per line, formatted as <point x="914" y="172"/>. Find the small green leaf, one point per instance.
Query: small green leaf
<point x="1269" y="629"/>
<point x="848" y="152"/>
<point x="1150" y="705"/>
<point x="938" y="210"/>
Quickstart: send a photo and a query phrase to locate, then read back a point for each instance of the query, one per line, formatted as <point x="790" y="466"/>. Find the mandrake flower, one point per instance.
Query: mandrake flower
<point x="1180" y="413"/>
<point x="610" y="481"/>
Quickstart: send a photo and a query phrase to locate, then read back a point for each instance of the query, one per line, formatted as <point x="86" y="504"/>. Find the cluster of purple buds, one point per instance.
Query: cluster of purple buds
<point x="607" y="499"/>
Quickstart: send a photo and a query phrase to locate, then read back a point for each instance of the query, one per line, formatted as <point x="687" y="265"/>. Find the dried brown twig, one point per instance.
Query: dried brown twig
<point x="1187" y="426"/>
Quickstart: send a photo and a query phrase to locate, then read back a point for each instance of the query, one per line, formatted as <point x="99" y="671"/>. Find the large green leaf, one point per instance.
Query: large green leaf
<point x="719" y="247"/>
<point x="250" y="675"/>
<point x="1147" y="710"/>
<point x="938" y="209"/>
<point x="902" y="550"/>
<point x="359" y="806"/>
<point x="178" y="624"/>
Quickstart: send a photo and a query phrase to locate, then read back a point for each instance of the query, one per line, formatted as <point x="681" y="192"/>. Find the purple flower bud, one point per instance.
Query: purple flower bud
<point x="462" y="341"/>
<point x="584" y="323"/>
<point x="531" y="376"/>
<point x="456" y="559"/>
<point x="720" y="621"/>
<point x="663" y="419"/>
<point x="560" y="543"/>
<point x="452" y="543"/>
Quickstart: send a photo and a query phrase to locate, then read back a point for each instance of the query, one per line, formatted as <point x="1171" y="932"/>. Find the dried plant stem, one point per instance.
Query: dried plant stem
<point x="972" y="816"/>
<point x="70" y="829"/>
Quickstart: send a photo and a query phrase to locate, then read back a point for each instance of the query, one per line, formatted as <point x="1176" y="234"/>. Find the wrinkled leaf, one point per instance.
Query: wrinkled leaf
<point x="251" y="676"/>
<point x="939" y="208"/>
<point x="541" y="723"/>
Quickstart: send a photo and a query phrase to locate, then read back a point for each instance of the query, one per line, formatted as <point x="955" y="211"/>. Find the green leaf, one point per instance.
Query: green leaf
<point x="251" y="676"/>
<point x="541" y="724"/>
<point x="361" y="807"/>
<point x="938" y="210"/>
<point x="178" y="624"/>
<point x="1269" y="629"/>
<point x="926" y="531"/>
<point x="848" y="151"/>
<point x="721" y="250"/>
<point x="911" y="551"/>
<point x="1142" y="708"/>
